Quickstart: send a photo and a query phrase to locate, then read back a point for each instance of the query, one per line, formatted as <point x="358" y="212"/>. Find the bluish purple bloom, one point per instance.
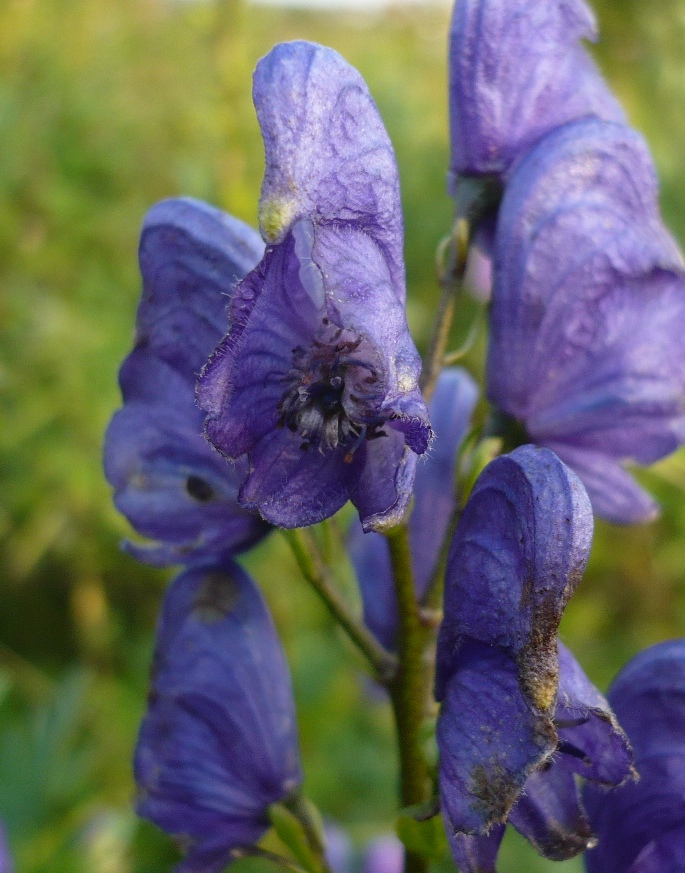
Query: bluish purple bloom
<point x="518" y="71"/>
<point x="588" y="313"/>
<point x="317" y="378"/>
<point x="170" y="484"/>
<point x="434" y="502"/>
<point x="641" y="826"/>
<point x="519" y="717"/>
<point x="218" y="743"/>
<point x="384" y="854"/>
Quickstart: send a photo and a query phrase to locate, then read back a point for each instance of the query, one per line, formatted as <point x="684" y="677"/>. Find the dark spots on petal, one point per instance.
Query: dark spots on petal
<point x="493" y="790"/>
<point x="560" y="843"/>
<point x="199" y="489"/>
<point x="215" y="597"/>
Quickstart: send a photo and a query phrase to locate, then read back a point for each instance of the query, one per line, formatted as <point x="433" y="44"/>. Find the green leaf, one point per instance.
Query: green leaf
<point x="426" y="838"/>
<point x="293" y="834"/>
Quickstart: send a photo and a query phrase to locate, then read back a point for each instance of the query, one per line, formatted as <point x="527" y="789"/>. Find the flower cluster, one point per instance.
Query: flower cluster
<point x="588" y="301"/>
<point x="273" y="379"/>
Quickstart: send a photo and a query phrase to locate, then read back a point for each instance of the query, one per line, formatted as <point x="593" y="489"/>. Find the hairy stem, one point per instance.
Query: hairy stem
<point x="409" y="689"/>
<point x="318" y="575"/>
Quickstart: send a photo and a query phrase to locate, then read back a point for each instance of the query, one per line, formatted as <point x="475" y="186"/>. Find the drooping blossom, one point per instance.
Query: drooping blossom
<point x="218" y="743"/>
<point x="169" y="483"/>
<point x="587" y="345"/>
<point x="519" y="717"/>
<point x="641" y="826"/>
<point x="517" y="71"/>
<point x="435" y="499"/>
<point x="317" y="378"/>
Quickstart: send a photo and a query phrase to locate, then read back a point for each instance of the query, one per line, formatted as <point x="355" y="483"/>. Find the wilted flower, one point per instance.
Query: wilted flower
<point x="641" y="826"/>
<point x="587" y="343"/>
<point x="517" y="71"/>
<point x="435" y="499"/>
<point x="170" y="484"/>
<point x="218" y="743"/>
<point x="317" y="378"/>
<point x="519" y="718"/>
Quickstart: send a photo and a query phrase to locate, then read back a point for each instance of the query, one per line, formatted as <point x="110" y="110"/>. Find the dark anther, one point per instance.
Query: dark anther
<point x="199" y="489"/>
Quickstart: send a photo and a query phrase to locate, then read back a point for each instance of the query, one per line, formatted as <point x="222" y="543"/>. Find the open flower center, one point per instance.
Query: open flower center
<point x="334" y="391"/>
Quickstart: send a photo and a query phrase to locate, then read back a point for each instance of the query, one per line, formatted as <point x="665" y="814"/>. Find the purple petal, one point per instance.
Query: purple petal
<point x="550" y="815"/>
<point x="664" y="855"/>
<point x="277" y="308"/>
<point x="517" y="71"/>
<point x="328" y="156"/>
<point x="476" y="854"/>
<point x="191" y="256"/>
<point x="171" y="485"/>
<point x="628" y="818"/>
<point x="648" y="697"/>
<point x="293" y="488"/>
<point x="490" y="740"/>
<point x="218" y="743"/>
<point x="588" y="314"/>
<point x="450" y="410"/>
<point x="518" y="553"/>
<point x="385" y="486"/>
<point x="596" y="746"/>
<point x="6" y="863"/>
<point x="318" y="362"/>
<point x="615" y="495"/>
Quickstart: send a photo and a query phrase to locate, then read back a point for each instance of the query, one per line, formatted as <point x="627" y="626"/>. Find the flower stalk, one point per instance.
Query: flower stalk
<point x="316" y="572"/>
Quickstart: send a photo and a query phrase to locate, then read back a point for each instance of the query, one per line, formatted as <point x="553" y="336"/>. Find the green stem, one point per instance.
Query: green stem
<point x="318" y="575"/>
<point x="410" y="688"/>
<point x="450" y="278"/>
<point x="256" y="852"/>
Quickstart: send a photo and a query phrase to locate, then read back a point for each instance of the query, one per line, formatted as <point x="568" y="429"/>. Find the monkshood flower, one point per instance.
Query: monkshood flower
<point x="218" y="743"/>
<point x="316" y="380"/>
<point x="434" y="502"/>
<point x="641" y="826"/>
<point x="518" y="71"/>
<point x="519" y="717"/>
<point x="587" y="345"/>
<point x="169" y="482"/>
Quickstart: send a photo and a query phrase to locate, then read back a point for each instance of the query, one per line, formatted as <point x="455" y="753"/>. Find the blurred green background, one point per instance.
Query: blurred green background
<point x="107" y="106"/>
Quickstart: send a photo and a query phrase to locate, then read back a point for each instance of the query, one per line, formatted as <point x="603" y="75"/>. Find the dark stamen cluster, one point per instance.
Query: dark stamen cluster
<point x="334" y="392"/>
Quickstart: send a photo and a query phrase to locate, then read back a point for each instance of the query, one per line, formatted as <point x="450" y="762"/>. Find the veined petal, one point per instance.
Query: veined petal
<point x="218" y="743"/>
<point x="328" y="156"/>
<point x="518" y="553"/>
<point x="191" y="255"/>
<point x="318" y="365"/>
<point x="588" y="313"/>
<point x="517" y="71"/>
<point x="641" y="822"/>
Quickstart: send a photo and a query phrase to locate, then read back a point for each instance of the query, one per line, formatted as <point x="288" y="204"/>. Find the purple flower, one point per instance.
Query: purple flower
<point x="434" y="502"/>
<point x="218" y="743"/>
<point x="588" y="313"/>
<point x="517" y="71"/>
<point x="170" y="484"/>
<point x="641" y="826"/>
<point x="316" y="380"/>
<point x="519" y="718"/>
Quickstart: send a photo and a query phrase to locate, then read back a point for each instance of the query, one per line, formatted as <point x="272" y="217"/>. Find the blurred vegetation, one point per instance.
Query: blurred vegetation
<point x="105" y="108"/>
